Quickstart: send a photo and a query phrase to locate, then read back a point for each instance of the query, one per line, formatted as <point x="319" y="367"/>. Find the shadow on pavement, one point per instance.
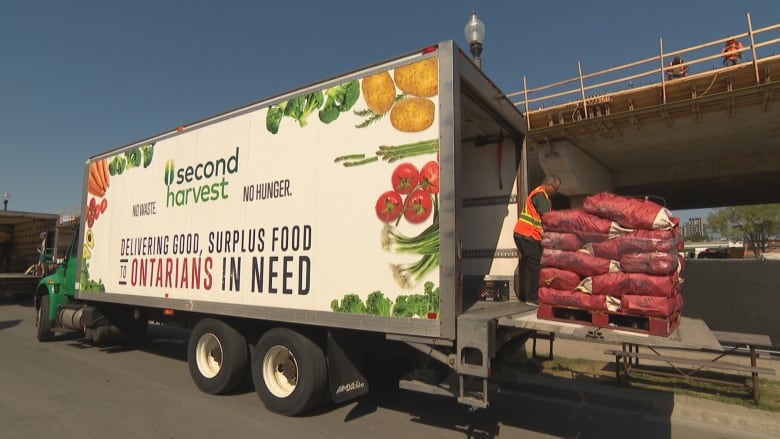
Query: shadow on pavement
<point x="9" y="324"/>
<point x="535" y="411"/>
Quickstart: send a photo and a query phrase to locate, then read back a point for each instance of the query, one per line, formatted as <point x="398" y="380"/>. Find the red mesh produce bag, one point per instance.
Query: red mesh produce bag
<point x="561" y="241"/>
<point x="605" y="303"/>
<point x="559" y="279"/>
<point x="638" y="284"/>
<point x="651" y="305"/>
<point x="658" y="263"/>
<point x="551" y="296"/>
<point x="629" y="212"/>
<point x="657" y="234"/>
<point x="588" y="227"/>
<point x="581" y="263"/>
<point x="634" y="243"/>
<point x="673" y="234"/>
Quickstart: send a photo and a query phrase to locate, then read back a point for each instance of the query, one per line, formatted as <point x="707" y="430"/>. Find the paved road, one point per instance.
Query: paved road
<point x="68" y="389"/>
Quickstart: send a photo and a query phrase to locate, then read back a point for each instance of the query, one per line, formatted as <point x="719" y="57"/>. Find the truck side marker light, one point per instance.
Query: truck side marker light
<point x="168" y="312"/>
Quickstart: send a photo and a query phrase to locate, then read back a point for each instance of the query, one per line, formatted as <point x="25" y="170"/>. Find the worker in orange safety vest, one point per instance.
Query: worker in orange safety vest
<point x="528" y="235"/>
<point x="732" y="52"/>
<point x="678" y="68"/>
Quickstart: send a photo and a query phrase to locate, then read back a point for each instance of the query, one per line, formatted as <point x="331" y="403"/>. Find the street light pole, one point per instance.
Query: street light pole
<point x="475" y="35"/>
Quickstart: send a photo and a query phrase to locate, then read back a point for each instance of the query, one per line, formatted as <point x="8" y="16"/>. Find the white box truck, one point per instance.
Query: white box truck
<point x="297" y="234"/>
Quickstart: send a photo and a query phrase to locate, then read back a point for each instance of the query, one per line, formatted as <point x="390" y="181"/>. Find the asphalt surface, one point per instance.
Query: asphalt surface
<point x="588" y="402"/>
<point x="678" y="408"/>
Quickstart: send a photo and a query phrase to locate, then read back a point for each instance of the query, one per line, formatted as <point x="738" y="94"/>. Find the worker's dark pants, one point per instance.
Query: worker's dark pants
<point x="531" y="252"/>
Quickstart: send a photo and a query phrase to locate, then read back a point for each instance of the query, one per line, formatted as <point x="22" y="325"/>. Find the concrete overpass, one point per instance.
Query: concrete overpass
<point x="709" y="139"/>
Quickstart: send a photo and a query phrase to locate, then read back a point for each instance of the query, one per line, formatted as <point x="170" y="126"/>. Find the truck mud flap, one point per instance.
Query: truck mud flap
<point x="345" y="380"/>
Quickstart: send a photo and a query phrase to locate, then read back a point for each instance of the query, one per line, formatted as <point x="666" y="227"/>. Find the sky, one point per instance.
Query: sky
<point x="82" y="77"/>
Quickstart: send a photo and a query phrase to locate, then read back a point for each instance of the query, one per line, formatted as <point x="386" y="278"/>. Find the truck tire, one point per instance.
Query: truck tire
<point x="218" y="356"/>
<point x="289" y="372"/>
<point x="44" y="324"/>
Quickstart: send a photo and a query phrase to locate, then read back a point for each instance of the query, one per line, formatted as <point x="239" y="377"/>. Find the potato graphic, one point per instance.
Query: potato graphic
<point x="412" y="114"/>
<point x="378" y="92"/>
<point x="419" y="79"/>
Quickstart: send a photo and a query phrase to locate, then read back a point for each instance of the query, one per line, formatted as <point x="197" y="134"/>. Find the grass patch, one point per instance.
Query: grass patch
<point x="604" y="373"/>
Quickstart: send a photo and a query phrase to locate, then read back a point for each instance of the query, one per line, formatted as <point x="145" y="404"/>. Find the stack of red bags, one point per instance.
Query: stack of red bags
<point x="616" y="254"/>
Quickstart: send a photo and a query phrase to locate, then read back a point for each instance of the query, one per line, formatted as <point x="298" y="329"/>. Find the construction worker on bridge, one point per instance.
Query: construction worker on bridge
<point x="678" y="68"/>
<point x="732" y="52"/>
<point x="528" y="235"/>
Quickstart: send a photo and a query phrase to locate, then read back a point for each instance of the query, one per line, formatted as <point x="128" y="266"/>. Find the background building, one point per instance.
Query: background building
<point x="694" y="227"/>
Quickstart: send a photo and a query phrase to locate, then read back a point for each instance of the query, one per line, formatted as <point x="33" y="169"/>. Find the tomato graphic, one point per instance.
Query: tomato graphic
<point x="418" y="206"/>
<point x="405" y="178"/>
<point x="429" y="177"/>
<point x="389" y="206"/>
<point x="103" y="205"/>
<point x="93" y="212"/>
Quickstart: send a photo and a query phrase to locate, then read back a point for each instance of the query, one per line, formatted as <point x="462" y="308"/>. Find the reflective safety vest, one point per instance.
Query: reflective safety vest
<point x="678" y="71"/>
<point x="530" y="221"/>
<point x="731" y="50"/>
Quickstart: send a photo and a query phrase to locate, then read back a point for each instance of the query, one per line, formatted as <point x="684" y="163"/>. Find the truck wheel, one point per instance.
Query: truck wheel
<point x="218" y="356"/>
<point x="289" y="372"/>
<point x="44" y="331"/>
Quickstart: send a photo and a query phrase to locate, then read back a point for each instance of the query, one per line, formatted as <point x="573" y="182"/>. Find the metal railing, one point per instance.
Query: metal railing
<point x="590" y="88"/>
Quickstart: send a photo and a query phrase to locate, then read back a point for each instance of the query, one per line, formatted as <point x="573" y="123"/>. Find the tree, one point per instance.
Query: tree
<point x="754" y="224"/>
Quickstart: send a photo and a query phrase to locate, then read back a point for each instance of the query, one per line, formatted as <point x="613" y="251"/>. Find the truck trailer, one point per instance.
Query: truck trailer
<point x="22" y="234"/>
<point x="297" y="234"/>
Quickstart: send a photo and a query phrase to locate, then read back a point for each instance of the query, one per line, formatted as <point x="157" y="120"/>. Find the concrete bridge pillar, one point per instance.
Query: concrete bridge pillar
<point x="580" y="174"/>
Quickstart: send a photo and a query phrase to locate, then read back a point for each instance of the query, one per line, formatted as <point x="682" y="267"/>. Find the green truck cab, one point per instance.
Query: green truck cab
<point x="57" y="289"/>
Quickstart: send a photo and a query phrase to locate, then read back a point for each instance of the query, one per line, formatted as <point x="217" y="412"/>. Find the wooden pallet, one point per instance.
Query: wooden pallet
<point x="652" y="325"/>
